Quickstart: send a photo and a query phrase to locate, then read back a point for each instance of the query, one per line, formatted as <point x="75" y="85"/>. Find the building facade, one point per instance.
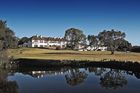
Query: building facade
<point x="101" y="48"/>
<point x="57" y="43"/>
<point x="45" y="42"/>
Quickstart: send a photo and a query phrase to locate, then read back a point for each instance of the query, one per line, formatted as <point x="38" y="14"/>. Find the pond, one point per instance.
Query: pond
<point x="74" y="80"/>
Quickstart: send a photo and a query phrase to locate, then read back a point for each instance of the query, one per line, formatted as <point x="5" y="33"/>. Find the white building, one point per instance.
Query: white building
<point x="50" y="42"/>
<point x="39" y="41"/>
<point x="103" y="48"/>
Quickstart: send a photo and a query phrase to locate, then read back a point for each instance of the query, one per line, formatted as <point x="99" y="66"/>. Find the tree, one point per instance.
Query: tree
<point x="125" y="46"/>
<point x="7" y="36"/>
<point x="2" y="33"/>
<point x="23" y="40"/>
<point x="93" y="40"/>
<point x="112" y="39"/>
<point x="135" y="49"/>
<point x="74" y="37"/>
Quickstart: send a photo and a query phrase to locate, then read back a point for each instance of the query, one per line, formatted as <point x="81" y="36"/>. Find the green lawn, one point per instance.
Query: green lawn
<point x="35" y="53"/>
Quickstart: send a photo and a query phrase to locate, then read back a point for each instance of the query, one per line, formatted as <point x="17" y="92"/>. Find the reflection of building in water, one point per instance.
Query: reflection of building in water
<point x="40" y="74"/>
<point x="67" y="72"/>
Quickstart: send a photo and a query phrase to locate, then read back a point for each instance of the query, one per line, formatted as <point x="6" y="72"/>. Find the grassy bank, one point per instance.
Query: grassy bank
<point x="35" y="53"/>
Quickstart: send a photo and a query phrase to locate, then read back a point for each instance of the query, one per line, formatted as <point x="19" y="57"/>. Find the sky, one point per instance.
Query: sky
<point x="54" y="17"/>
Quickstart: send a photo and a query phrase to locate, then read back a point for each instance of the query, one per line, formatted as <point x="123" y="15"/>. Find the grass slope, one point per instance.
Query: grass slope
<point x="35" y="53"/>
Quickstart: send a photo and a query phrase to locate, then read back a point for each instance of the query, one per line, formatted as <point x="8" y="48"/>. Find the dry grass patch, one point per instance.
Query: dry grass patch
<point x="35" y="53"/>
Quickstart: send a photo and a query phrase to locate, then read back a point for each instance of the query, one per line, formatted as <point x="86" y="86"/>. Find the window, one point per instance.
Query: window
<point x="35" y="40"/>
<point x="41" y="41"/>
<point x="41" y="45"/>
<point x="35" y="45"/>
<point x="63" y="45"/>
<point x="45" y="41"/>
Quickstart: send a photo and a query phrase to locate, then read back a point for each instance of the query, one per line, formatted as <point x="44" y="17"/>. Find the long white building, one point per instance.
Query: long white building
<point x="39" y="41"/>
<point x="51" y="42"/>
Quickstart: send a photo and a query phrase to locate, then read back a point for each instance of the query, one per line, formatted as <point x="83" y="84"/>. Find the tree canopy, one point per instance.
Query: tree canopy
<point x="112" y="39"/>
<point x="74" y="37"/>
<point x="23" y="40"/>
<point x="93" y="40"/>
<point x="7" y="36"/>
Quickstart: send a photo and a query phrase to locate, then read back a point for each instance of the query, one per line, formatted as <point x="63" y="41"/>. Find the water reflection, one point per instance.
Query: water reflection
<point x="137" y="74"/>
<point x="113" y="79"/>
<point x="5" y="85"/>
<point x="109" y="78"/>
<point x="4" y="60"/>
<point x="106" y="78"/>
<point x="75" y="77"/>
<point x="97" y="71"/>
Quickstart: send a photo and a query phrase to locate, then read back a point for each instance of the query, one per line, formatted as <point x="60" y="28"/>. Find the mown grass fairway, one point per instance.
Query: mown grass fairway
<point x="35" y="53"/>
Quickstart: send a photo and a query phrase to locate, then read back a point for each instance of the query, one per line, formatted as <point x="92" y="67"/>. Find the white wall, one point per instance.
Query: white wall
<point x="97" y="48"/>
<point x="44" y="44"/>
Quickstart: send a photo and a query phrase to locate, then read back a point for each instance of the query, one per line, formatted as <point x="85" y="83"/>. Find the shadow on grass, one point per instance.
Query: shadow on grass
<point x="70" y="53"/>
<point x="63" y="53"/>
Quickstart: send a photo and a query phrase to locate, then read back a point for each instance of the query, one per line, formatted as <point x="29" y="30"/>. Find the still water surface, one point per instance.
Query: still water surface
<point x="76" y="80"/>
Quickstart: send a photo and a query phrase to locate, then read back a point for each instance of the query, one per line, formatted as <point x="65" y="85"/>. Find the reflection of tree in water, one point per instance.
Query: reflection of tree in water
<point x="113" y="79"/>
<point x="7" y="86"/>
<point x="75" y="77"/>
<point x="137" y="74"/>
<point x="4" y="60"/>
